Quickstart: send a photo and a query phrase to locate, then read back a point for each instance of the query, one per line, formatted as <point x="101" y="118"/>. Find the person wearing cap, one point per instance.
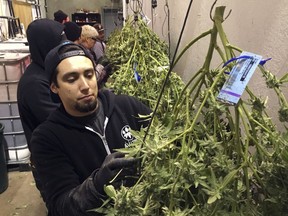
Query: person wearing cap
<point x="104" y="66"/>
<point x="73" y="31"/>
<point x="34" y="98"/>
<point x="75" y="148"/>
<point x="100" y="46"/>
<point x="61" y="17"/>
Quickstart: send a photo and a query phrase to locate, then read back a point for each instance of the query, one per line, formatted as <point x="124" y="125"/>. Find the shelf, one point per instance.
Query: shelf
<point x="86" y="23"/>
<point x="86" y="18"/>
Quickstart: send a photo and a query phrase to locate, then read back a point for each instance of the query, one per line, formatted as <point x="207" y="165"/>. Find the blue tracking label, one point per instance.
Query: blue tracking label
<point x="239" y="77"/>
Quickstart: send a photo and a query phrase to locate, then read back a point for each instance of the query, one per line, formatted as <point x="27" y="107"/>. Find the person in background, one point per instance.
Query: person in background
<point x="73" y="32"/>
<point x="75" y="149"/>
<point x="104" y="66"/>
<point x="34" y="97"/>
<point x="88" y="39"/>
<point x="100" y="46"/>
<point x="61" y="17"/>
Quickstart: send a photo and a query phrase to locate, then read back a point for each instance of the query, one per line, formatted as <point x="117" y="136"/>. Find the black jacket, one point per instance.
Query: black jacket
<point x="33" y="93"/>
<point x="67" y="155"/>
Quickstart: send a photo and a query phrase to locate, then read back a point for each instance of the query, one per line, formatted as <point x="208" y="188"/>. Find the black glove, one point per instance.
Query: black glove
<point x="111" y="166"/>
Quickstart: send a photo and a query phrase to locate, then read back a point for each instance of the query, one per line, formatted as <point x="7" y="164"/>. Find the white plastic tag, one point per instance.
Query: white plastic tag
<point x="239" y="77"/>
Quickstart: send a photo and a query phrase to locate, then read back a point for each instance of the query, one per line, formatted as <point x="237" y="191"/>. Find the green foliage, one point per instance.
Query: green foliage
<point x="204" y="157"/>
<point x="137" y="48"/>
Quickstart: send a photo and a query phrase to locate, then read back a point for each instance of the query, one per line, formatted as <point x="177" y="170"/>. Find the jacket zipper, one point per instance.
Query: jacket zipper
<point x="102" y="137"/>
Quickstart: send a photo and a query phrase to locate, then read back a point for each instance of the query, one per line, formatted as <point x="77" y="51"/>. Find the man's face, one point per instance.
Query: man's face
<point x="66" y="20"/>
<point x="101" y="35"/>
<point x="77" y="85"/>
<point x="90" y="42"/>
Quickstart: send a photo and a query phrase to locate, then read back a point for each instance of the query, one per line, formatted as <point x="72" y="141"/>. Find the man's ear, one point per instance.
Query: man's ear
<point x="53" y="88"/>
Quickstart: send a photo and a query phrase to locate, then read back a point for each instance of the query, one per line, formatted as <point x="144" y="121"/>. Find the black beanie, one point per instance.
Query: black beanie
<point x="59" y="16"/>
<point x="54" y="58"/>
<point x="72" y="31"/>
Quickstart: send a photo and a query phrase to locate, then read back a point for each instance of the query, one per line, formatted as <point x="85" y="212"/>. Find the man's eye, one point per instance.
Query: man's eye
<point x="90" y="74"/>
<point x="71" y="79"/>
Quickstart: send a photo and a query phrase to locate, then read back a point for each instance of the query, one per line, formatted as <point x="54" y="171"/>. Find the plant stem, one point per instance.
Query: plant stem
<point x="218" y="19"/>
<point x="204" y="34"/>
<point x="246" y="157"/>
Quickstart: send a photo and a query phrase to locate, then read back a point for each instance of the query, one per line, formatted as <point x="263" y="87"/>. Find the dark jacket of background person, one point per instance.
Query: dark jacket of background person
<point x="33" y="93"/>
<point x="66" y="152"/>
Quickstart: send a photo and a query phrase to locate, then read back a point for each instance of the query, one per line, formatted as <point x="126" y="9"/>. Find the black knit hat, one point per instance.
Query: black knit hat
<point x="54" y="57"/>
<point x="72" y="31"/>
<point x="59" y="16"/>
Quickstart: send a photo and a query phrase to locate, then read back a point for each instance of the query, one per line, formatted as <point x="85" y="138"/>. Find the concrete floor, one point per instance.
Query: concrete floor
<point x="21" y="198"/>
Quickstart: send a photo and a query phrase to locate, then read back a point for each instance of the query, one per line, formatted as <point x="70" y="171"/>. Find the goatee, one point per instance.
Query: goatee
<point x="86" y="107"/>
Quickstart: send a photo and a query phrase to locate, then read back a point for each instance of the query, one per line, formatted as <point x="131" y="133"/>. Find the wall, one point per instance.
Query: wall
<point x="91" y="5"/>
<point x="26" y="12"/>
<point x="254" y="25"/>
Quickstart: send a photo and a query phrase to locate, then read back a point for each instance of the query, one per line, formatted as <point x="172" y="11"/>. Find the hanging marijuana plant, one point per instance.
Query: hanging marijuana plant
<point x="204" y="158"/>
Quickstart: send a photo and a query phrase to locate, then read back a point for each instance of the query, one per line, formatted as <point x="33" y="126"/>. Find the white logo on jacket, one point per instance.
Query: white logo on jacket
<point x="126" y="134"/>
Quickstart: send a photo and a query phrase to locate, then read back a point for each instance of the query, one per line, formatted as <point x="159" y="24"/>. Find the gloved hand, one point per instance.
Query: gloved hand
<point x="112" y="164"/>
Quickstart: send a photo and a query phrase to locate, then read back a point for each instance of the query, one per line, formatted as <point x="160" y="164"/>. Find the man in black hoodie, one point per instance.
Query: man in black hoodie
<point x="74" y="150"/>
<point x="34" y="97"/>
<point x="33" y="94"/>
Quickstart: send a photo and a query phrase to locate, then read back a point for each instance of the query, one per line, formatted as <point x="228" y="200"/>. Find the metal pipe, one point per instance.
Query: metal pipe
<point x="125" y="10"/>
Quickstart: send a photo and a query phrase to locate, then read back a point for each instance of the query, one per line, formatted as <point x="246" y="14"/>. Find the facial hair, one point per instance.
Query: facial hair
<point x="84" y="108"/>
